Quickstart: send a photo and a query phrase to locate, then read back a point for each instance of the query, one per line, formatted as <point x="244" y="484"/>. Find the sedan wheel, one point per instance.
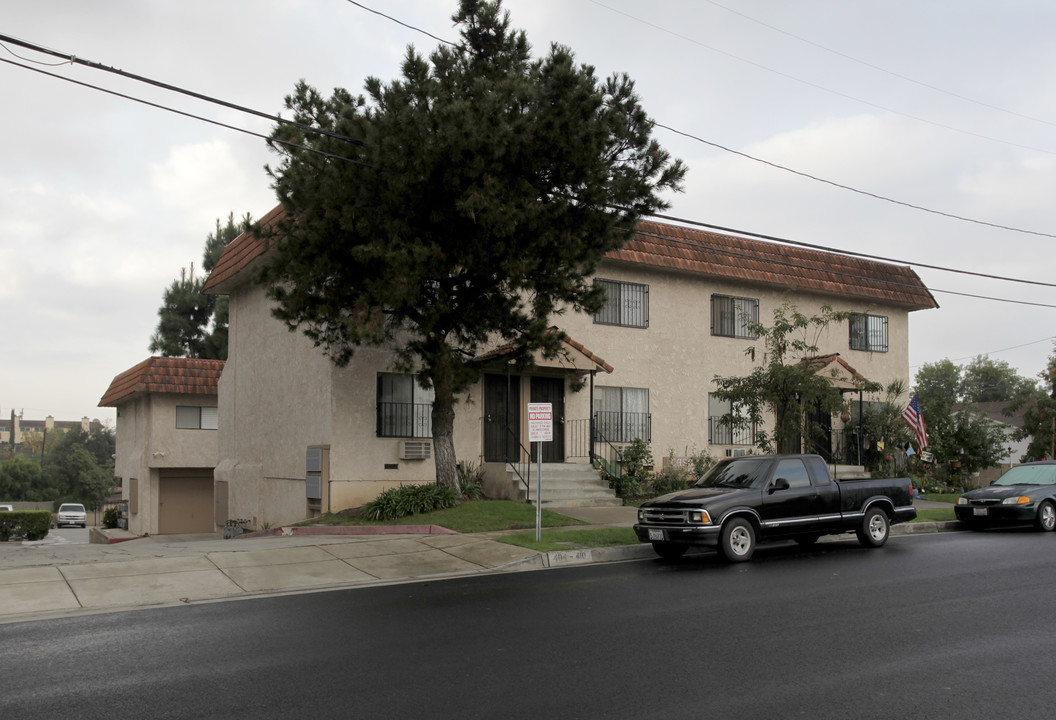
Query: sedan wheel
<point x="1046" y="520"/>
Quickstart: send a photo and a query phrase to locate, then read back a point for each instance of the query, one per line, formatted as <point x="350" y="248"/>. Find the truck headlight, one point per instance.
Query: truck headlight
<point x="699" y="516"/>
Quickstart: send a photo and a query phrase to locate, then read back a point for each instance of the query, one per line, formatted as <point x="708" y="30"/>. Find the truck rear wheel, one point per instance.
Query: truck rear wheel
<point x="874" y="528"/>
<point x="669" y="551"/>
<point x="737" y="542"/>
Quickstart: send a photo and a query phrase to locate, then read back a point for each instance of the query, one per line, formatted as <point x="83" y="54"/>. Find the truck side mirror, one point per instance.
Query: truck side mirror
<point x="779" y="484"/>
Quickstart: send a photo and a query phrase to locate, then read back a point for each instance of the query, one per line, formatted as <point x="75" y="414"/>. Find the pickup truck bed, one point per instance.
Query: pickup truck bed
<point x="743" y="501"/>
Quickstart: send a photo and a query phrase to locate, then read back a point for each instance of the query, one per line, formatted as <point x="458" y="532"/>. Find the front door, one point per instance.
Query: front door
<point x="551" y="390"/>
<point x="502" y="418"/>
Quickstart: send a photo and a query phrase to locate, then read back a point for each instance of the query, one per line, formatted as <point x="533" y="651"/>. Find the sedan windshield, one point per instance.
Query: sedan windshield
<point x="740" y="473"/>
<point x="1029" y="475"/>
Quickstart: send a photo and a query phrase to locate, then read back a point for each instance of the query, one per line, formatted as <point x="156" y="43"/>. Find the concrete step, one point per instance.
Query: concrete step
<point x="567" y="484"/>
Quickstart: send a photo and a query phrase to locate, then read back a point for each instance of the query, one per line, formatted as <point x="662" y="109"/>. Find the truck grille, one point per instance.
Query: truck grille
<point x="664" y="516"/>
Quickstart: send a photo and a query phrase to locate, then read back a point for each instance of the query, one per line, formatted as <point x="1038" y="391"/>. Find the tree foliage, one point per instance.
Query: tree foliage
<point x="1039" y="415"/>
<point x="465" y="203"/>
<point x="949" y="395"/>
<point x="785" y="386"/>
<point x="191" y="323"/>
<point x="77" y="466"/>
<point x="986" y="380"/>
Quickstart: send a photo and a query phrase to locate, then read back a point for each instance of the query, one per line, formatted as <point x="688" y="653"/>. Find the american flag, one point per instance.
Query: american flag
<point x="914" y="417"/>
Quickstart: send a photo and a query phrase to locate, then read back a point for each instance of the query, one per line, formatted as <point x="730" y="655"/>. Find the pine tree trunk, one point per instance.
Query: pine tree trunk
<point x="443" y="436"/>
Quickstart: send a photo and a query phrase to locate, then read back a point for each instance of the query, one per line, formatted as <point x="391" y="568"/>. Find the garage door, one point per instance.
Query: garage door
<point x="185" y="502"/>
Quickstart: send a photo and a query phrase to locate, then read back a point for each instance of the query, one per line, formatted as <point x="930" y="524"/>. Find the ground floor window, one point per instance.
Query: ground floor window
<point x="405" y="409"/>
<point x="723" y="433"/>
<point x="622" y="414"/>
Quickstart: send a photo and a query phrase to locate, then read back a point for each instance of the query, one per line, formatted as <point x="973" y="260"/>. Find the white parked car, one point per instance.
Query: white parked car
<point x="71" y="514"/>
<point x="8" y="508"/>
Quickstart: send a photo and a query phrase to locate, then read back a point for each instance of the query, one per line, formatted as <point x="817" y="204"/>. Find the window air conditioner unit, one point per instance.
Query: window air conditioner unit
<point x="736" y="452"/>
<point x="416" y="449"/>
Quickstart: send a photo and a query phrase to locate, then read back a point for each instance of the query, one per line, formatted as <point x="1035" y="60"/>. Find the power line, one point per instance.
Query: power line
<point x="401" y="22"/>
<point x="185" y="114"/>
<point x="892" y="73"/>
<point x="817" y="86"/>
<point x="165" y="86"/>
<point x="848" y="275"/>
<point x="825" y="248"/>
<point x="852" y="189"/>
<point x="767" y="162"/>
<point x="994" y="352"/>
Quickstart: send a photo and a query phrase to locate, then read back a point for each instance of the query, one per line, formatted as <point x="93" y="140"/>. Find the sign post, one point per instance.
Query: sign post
<point x="540" y="430"/>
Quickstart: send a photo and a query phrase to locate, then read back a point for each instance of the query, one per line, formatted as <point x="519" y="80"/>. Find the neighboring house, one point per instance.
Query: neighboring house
<point x="166" y="443"/>
<point x="299" y="436"/>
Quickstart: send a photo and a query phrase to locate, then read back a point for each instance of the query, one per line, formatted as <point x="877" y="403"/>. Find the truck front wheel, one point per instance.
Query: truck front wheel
<point x="669" y="551"/>
<point x="874" y="529"/>
<point x="737" y="542"/>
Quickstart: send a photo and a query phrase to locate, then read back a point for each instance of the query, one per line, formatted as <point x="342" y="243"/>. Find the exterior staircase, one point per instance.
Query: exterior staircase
<point x="567" y="485"/>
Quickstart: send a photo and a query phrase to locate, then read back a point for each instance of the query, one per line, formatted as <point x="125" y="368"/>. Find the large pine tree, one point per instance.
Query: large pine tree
<point x="191" y="323"/>
<point x="466" y="202"/>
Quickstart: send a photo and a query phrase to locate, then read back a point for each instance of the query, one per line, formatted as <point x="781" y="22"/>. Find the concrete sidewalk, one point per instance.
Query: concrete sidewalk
<point x="53" y="577"/>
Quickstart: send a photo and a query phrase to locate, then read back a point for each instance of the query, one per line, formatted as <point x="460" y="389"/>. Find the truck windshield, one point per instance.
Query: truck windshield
<point x="739" y="473"/>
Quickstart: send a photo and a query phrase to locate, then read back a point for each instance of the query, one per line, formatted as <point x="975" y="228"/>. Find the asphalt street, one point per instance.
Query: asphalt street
<point x="931" y="626"/>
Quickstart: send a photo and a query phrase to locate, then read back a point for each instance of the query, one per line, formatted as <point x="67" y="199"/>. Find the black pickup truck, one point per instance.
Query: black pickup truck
<point x="742" y="501"/>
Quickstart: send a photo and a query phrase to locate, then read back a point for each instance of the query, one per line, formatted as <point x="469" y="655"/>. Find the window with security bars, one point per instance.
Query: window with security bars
<point x="626" y="304"/>
<point x="869" y="332"/>
<point x="727" y="433"/>
<point x="621" y="414"/>
<point x="405" y="409"/>
<point x="734" y="316"/>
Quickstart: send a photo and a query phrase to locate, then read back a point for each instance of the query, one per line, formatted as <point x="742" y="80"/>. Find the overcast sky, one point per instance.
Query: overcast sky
<point x="948" y="106"/>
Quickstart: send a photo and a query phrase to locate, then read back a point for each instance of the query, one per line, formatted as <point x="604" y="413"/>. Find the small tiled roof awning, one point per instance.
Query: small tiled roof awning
<point x="183" y="376"/>
<point x="575" y="356"/>
<point x="837" y="371"/>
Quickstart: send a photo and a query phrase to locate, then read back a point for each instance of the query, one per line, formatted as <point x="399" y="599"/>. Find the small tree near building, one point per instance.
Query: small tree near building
<point x="785" y="386"/>
<point x="466" y="203"/>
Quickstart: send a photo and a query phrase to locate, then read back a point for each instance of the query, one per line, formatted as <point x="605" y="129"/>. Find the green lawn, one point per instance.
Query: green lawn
<point x="935" y="515"/>
<point x="569" y="539"/>
<point x="942" y="497"/>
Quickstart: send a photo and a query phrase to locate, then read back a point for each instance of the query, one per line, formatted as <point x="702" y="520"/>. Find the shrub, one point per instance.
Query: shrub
<point x="399" y="502"/>
<point x="671" y="479"/>
<point x="110" y="517"/>
<point x="635" y="462"/>
<point x="471" y="480"/>
<point x="30" y="524"/>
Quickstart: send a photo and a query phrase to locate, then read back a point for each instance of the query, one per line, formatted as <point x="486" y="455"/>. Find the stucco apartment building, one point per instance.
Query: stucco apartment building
<point x="297" y="435"/>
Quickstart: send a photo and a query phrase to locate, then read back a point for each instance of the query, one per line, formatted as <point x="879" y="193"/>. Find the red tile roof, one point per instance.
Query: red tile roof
<point x="185" y="376"/>
<point x="770" y="263"/>
<point x="691" y="250"/>
<point x="239" y="255"/>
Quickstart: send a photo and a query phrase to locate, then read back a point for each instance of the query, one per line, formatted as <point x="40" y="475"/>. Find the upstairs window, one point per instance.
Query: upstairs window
<point x="622" y="414"/>
<point x="869" y="332"/>
<point x="626" y="304"/>
<point x="196" y="418"/>
<point x="733" y="316"/>
<point x="405" y="409"/>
